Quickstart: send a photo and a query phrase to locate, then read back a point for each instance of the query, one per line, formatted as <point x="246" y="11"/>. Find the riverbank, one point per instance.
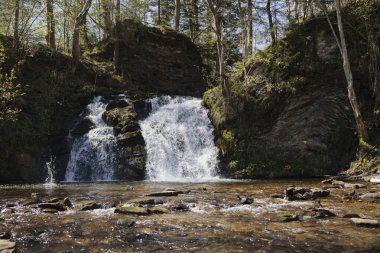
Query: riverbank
<point x="228" y="216"/>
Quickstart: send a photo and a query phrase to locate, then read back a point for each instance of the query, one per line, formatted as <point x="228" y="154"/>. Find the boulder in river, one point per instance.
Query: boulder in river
<point x="370" y="195"/>
<point x="7" y="246"/>
<point x="131" y="210"/>
<point x="365" y="222"/>
<point x="299" y="193"/>
<point x="158" y="209"/>
<point x="57" y="206"/>
<point x="89" y="205"/>
<point x="165" y="193"/>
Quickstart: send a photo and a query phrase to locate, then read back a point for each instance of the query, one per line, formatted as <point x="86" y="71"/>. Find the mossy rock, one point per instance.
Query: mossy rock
<point x="159" y="210"/>
<point x="131" y="210"/>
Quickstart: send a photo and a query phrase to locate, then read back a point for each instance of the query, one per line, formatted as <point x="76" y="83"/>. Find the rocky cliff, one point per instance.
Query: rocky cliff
<point x="153" y="61"/>
<point x="289" y="113"/>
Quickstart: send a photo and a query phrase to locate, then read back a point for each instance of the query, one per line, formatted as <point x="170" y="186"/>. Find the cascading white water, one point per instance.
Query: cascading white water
<point x="93" y="156"/>
<point x="179" y="141"/>
<point x="50" y="167"/>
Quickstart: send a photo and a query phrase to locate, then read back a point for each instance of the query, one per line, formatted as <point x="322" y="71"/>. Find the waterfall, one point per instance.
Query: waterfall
<point x="179" y="141"/>
<point x="50" y="167"/>
<point x="93" y="156"/>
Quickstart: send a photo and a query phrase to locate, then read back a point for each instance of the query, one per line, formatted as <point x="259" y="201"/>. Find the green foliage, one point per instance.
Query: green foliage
<point x="9" y="92"/>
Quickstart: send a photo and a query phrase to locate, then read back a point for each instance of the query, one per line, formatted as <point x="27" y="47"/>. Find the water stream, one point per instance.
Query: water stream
<point x="179" y="141"/>
<point x="93" y="156"/>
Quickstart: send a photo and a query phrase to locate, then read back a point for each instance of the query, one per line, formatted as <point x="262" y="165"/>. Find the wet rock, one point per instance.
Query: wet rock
<point x="57" y="206"/>
<point x="321" y="213"/>
<point x="178" y="206"/>
<point x="67" y="202"/>
<point x="159" y="210"/>
<point x="245" y="200"/>
<point x="144" y="233"/>
<point x="370" y="195"/>
<point x="36" y="195"/>
<point x="83" y="126"/>
<point x="351" y="215"/>
<point x="49" y="210"/>
<point x="336" y="182"/>
<point x="119" y="103"/>
<point x="146" y="201"/>
<point x="375" y="180"/>
<point x="327" y="181"/>
<point x="7" y="246"/>
<point x="5" y="235"/>
<point x="289" y="217"/>
<point x="277" y="196"/>
<point x="351" y="195"/>
<point x="131" y="210"/>
<point x="32" y="202"/>
<point x="143" y="108"/>
<point x="365" y="222"/>
<point x="164" y="193"/>
<point x="89" y="205"/>
<point x="353" y="186"/>
<point x="298" y="193"/>
<point x="125" y="222"/>
<point x="54" y="200"/>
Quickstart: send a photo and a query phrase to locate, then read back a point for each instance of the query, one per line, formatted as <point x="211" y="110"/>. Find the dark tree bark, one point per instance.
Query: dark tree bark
<point x="270" y="20"/>
<point x="107" y="20"/>
<point x="158" y="12"/>
<point x="79" y="21"/>
<point x="16" y="37"/>
<point x="250" y="27"/>
<point x="50" y="35"/>
<point x="350" y="81"/>
<point x="116" y="53"/>
<point x="218" y="29"/>
<point x="177" y="14"/>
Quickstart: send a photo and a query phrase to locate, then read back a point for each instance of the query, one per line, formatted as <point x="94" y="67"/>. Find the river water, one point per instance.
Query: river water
<point x="214" y="222"/>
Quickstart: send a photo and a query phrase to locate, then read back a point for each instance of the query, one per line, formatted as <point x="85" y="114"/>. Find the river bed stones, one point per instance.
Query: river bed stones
<point x="57" y="206"/>
<point x="370" y="196"/>
<point x="299" y="193"/>
<point x="164" y="194"/>
<point x="7" y="246"/>
<point x="365" y="222"/>
<point x="89" y="205"/>
<point x="131" y="210"/>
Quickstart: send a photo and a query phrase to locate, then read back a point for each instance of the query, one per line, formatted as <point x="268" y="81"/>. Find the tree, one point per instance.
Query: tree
<point x="107" y="19"/>
<point x="218" y="30"/>
<point x="79" y="21"/>
<point x="116" y="54"/>
<point x="16" y="38"/>
<point x="270" y="20"/>
<point x="177" y="14"/>
<point x="250" y="27"/>
<point x="50" y="34"/>
<point x="348" y="73"/>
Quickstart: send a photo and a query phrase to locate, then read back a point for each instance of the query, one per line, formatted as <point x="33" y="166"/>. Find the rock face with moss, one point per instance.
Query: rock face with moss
<point x="156" y="60"/>
<point x="123" y="118"/>
<point x="153" y="61"/>
<point x="290" y="116"/>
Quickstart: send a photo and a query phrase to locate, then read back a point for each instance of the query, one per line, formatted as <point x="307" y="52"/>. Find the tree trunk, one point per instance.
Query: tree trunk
<point x="158" y="12"/>
<point x="79" y="21"/>
<point x="350" y="81"/>
<point x="221" y="52"/>
<point x="107" y="20"/>
<point x="177" y="14"/>
<point x="50" y="35"/>
<point x="243" y="27"/>
<point x="250" y="27"/>
<point x="270" y="20"/>
<point x="116" y="53"/>
<point x="16" y="38"/>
